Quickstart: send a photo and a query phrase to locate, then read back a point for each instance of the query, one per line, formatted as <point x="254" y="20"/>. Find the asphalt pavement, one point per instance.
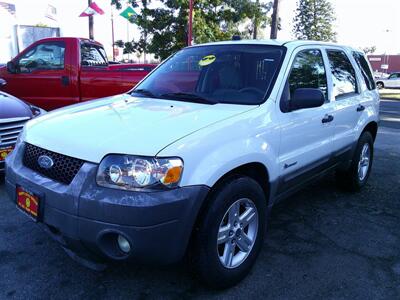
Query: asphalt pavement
<point x="322" y="243"/>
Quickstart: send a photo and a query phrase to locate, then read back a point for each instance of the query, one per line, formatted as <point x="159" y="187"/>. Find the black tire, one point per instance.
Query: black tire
<point x="204" y="256"/>
<point x="350" y="179"/>
<point x="380" y="85"/>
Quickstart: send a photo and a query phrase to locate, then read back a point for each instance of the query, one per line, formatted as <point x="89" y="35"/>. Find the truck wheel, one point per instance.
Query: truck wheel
<point x="230" y="234"/>
<point x="357" y="175"/>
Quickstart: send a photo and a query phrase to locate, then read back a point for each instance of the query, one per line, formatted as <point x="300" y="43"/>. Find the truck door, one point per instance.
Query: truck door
<point x="41" y="76"/>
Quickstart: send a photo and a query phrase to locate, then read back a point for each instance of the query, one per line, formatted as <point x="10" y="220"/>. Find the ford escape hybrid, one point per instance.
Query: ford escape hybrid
<point x="193" y="158"/>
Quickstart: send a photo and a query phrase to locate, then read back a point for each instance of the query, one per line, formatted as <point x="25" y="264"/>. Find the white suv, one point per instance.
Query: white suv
<point x="194" y="157"/>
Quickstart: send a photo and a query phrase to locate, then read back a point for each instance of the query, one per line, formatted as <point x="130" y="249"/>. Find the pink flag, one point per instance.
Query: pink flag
<point x="92" y="10"/>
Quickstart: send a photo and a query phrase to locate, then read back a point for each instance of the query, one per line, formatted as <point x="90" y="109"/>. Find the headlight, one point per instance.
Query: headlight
<point x="130" y="172"/>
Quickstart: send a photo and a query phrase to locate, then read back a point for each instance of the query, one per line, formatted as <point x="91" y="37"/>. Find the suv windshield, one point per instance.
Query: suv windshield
<point x="238" y="74"/>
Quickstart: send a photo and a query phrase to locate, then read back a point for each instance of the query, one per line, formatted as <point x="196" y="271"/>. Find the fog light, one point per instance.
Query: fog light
<point x="123" y="244"/>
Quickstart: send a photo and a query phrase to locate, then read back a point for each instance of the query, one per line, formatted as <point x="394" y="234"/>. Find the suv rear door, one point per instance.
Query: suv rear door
<point x="346" y="96"/>
<point x="306" y="140"/>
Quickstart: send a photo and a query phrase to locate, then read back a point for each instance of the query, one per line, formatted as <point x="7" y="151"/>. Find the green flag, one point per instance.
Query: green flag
<point x="129" y="14"/>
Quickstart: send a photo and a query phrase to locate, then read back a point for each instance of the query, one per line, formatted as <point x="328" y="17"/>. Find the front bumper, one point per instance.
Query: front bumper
<point x="87" y="219"/>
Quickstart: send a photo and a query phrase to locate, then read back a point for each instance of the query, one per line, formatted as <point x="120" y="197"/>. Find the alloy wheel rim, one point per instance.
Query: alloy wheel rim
<point x="237" y="233"/>
<point x="364" y="162"/>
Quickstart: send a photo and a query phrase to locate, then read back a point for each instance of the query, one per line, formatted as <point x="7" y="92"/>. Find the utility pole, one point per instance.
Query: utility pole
<point x="255" y="24"/>
<point x="190" y="23"/>
<point x="91" y="35"/>
<point x="275" y="20"/>
<point x="112" y="33"/>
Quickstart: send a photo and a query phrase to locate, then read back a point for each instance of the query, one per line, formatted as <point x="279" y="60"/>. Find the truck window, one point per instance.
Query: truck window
<point x="46" y="56"/>
<point x="93" y="55"/>
<point x="365" y="70"/>
<point x="343" y="74"/>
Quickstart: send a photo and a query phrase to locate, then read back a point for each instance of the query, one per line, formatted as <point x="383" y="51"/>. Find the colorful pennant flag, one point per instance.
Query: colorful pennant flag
<point x="92" y="10"/>
<point x="129" y="14"/>
<point x="9" y="7"/>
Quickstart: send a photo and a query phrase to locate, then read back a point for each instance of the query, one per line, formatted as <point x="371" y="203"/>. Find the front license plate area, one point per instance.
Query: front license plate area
<point x="29" y="203"/>
<point x="4" y="151"/>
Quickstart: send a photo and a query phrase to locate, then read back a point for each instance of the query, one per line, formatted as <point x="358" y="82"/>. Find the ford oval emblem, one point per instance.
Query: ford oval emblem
<point x="45" y="162"/>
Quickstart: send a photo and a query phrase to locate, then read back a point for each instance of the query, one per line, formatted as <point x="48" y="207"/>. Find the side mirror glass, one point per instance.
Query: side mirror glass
<point x="11" y="67"/>
<point x="307" y="98"/>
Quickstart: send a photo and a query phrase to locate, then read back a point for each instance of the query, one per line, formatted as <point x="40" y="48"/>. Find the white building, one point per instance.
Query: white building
<point x="18" y="19"/>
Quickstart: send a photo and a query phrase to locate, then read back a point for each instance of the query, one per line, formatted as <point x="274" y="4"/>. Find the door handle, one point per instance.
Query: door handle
<point x="3" y="82"/>
<point x="327" y="119"/>
<point x="360" y="107"/>
<point x="64" y="80"/>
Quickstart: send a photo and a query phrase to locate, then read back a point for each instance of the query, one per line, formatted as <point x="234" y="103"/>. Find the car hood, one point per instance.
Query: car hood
<point x="123" y="124"/>
<point x="11" y="107"/>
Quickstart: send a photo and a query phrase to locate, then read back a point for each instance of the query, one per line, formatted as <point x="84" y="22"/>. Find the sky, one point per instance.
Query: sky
<point x="360" y="23"/>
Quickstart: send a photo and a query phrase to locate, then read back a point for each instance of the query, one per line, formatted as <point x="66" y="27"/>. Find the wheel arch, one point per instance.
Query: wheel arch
<point x="255" y="170"/>
<point x="371" y="127"/>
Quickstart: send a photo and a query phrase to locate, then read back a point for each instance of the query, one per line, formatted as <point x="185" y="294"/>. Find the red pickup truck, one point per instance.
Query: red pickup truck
<point x="56" y="72"/>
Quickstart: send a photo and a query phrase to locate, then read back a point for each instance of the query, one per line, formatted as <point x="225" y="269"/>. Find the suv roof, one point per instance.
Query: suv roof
<point x="287" y="43"/>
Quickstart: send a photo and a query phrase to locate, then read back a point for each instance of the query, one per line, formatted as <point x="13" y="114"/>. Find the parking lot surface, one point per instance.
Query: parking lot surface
<point x="322" y="243"/>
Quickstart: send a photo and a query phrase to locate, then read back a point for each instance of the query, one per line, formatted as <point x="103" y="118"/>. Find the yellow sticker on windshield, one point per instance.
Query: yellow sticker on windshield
<point x="206" y="60"/>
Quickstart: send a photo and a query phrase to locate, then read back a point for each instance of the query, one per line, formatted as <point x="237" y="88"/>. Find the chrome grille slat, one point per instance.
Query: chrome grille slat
<point x="9" y="138"/>
<point x="15" y="132"/>
<point x="10" y="127"/>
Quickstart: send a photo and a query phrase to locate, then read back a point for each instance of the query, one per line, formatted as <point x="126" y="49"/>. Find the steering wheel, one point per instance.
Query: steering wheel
<point x="251" y="90"/>
<point x="40" y="61"/>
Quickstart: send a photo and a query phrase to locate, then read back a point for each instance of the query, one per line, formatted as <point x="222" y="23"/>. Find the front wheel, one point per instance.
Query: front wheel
<point x="380" y="85"/>
<point x="358" y="173"/>
<point x="230" y="234"/>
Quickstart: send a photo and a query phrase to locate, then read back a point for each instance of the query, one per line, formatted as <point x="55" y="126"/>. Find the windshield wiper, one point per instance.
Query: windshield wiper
<point x="144" y="92"/>
<point x="189" y="97"/>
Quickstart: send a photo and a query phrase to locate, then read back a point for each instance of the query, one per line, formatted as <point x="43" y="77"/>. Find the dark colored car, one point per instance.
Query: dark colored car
<point x="13" y="115"/>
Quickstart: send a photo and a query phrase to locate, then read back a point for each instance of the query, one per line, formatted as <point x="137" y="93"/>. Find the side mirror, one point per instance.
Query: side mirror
<point x="307" y="98"/>
<point x="11" y="67"/>
<point x="2" y="82"/>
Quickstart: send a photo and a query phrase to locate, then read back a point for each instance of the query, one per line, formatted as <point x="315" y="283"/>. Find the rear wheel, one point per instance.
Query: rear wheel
<point x="230" y="234"/>
<point x="380" y="85"/>
<point x="358" y="173"/>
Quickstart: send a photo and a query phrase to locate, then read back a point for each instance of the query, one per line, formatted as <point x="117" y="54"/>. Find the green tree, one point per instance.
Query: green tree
<point x="314" y="20"/>
<point x="369" y="50"/>
<point x="164" y="29"/>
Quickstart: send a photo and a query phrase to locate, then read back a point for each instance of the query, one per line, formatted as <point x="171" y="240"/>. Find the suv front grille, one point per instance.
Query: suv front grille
<point x="63" y="170"/>
<point x="9" y="130"/>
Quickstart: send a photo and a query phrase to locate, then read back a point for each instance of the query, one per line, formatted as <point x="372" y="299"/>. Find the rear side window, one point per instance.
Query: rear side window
<point x="394" y="76"/>
<point x="365" y="70"/>
<point x="93" y="55"/>
<point x="343" y="74"/>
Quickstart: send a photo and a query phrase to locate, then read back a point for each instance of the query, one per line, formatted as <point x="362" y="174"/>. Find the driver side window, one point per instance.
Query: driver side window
<point x="46" y="56"/>
<point x="308" y="71"/>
